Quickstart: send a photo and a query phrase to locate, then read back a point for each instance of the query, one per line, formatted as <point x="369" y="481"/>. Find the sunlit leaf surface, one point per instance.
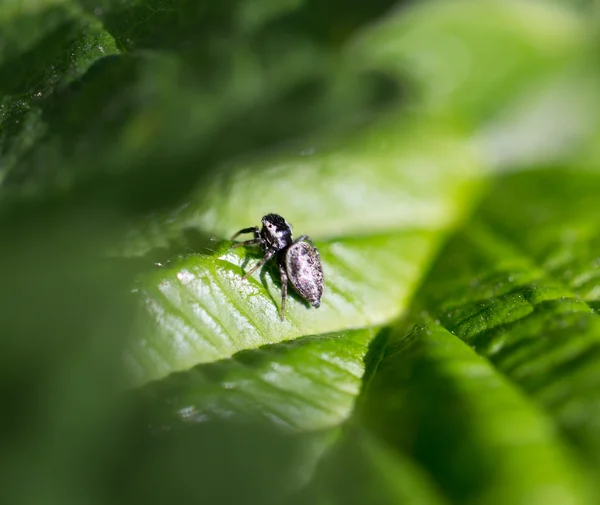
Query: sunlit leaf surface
<point x="442" y="156"/>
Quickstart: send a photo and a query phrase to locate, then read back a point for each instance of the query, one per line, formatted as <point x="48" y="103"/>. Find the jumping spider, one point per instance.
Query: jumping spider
<point x="298" y="260"/>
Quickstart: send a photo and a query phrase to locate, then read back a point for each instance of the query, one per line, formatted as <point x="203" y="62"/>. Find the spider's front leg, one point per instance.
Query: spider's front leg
<point x="255" y="241"/>
<point x="270" y="253"/>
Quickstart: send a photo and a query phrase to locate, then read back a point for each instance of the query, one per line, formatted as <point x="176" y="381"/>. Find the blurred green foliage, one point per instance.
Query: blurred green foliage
<point x="442" y="154"/>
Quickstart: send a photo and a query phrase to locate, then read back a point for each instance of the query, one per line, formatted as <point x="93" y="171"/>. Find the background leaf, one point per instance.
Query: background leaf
<point x="443" y="157"/>
<point x="476" y="416"/>
<point x="533" y="293"/>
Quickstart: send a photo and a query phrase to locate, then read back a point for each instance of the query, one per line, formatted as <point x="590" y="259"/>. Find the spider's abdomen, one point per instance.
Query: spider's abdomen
<point x="303" y="266"/>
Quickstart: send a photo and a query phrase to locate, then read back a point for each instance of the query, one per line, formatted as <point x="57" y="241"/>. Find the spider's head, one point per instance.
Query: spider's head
<point x="276" y="232"/>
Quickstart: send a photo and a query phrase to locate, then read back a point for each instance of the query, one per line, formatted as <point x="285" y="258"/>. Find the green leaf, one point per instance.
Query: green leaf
<point x="205" y="311"/>
<point x="310" y="383"/>
<point x="362" y="470"/>
<point x="400" y="173"/>
<point x="454" y="357"/>
<point x="380" y="204"/>
<point x="171" y="95"/>
<point x="434" y="398"/>
<point x="472" y="58"/>
<point x="520" y="285"/>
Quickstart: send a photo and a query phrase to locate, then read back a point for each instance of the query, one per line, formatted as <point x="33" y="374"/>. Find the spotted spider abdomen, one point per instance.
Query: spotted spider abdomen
<point x="305" y="273"/>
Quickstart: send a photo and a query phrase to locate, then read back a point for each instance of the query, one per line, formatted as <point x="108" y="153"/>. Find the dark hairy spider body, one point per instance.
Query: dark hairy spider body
<point x="298" y="260"/>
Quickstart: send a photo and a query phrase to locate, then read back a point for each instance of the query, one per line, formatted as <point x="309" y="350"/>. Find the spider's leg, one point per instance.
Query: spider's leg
<point x="252" y="229"/>
<point x="304" y="238"/>
<point x="247" y="242"/>
<point x="267" y="257"/>
<point x="284" y="286"/>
